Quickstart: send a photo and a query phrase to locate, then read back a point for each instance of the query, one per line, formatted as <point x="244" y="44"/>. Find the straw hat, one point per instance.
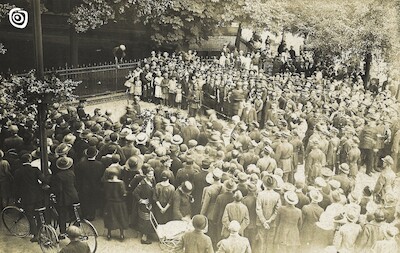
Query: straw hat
<point x="344" y="167"/>
<point x="230" y="185"/>
<point x="69" y="139"/>
<point x="63" y="149"/>
<point x="291" y="197"/>
<point x="64" y="163"/>
<point x="177" y="139"/>
<point x="315" y="195"/>
<point x="141" y="138"/>
<point x="214" y="176"/>
<point x="186" y="187"/>
<point x="388" y="159"/>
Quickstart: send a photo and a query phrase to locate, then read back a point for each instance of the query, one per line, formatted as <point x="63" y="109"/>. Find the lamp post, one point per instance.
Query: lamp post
<point x="42" y="106"/>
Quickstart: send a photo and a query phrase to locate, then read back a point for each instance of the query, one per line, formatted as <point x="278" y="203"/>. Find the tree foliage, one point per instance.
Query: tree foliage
<point x="21" y="94"/>
<point x="92" y="14"/>
<point x="4" y="9"/>
<point x="181" y="22"/>
<point x="354" y="27"/>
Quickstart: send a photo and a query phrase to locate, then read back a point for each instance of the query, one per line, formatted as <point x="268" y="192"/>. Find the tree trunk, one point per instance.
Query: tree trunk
<point x="238" y="37"/>
<point x="73" y="46"/>
<point x="367" y="69"/>
<point x="73" y="40"/>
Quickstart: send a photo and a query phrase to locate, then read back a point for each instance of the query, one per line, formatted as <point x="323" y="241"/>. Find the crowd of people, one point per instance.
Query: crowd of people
<point x="281" y="175"/>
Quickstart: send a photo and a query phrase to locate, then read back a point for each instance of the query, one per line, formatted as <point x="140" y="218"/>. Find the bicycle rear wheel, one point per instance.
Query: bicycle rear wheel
<point x="89" y="234"/>
<point x="15" y="221"/>
<point x="48" y="239"/>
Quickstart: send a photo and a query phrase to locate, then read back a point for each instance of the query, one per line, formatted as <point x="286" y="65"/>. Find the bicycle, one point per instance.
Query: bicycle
<point x="89" y="232"/>
<point x="16" y="222"/>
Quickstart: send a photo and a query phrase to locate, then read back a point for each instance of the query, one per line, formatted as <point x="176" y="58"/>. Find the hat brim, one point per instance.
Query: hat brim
<point x="66" y="166"/>
<point x="178" y="142"/>
<point x="291" y="202"/>
<point x="141" y="141"/>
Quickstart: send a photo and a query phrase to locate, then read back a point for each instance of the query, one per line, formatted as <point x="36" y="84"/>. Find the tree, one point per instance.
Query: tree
<point x="357" y="29"/>
<point x="22" y="94"/>
<point x="181" y="22"/>
<point x="4" y="9"/>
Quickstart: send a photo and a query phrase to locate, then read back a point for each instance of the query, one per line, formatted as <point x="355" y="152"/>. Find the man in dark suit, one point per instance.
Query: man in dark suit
<point x="199" y="183"/>
<point x="176" y="162"/>
<point x="222" y="200"/>
<point x="29" y="190"/>
<point x="82" y="143"/>
<point x="64" y="186"/>
<point x="187" y="172"/>
<point x="14" y="141"/>
<point x="88" y="177"/>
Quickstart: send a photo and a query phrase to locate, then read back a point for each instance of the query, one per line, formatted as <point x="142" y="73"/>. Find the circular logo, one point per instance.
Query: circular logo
<point x="18" y="18"/>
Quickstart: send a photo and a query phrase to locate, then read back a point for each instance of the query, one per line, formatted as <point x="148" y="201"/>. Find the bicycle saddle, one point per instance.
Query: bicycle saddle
<point x="76" y="205"/>
<point x="40" y="209"/>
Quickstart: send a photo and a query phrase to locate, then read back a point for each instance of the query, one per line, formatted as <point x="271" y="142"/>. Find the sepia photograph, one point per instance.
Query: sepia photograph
<point x="200" y="126"/>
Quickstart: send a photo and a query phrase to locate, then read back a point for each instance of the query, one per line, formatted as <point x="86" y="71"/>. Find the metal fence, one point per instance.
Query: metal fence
<point x="98" y="78"/>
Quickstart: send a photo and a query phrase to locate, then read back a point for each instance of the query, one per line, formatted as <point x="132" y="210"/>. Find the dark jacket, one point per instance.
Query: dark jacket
<point x="64" y="186"/>
<point x="27" y="185"/>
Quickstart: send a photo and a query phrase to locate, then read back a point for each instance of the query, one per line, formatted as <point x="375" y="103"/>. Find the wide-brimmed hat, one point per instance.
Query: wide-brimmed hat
<point x="199" y="221"/>
<point x="252" y="187"/>
<point x="125" y="132"/>
<point x="205" y="164"/>
<point x="351" y="215"/>
<point x="130" y="137"/>
<point x="315" y="195"/>
<point x="186" y="187"/>
<point x="91" y="152"/>
<point x="230" y="185"/>
<point x="177" y="139"/>
<point x="326" y="172"/>
<point x="63" y="149"/>
<point x="388" y="159"/>
<point x="214" y="176"/>
<point x="291" y="197"/>
<point x="344" y="167"/>
<point x="320" y="182"/>
<point x="85" y="134"/>
<point x="135" y="128"/>
<point x="334" y="184"/>
<point x="242" y="176"/>
<point x="192" y="143"/>
<point x="69" y="139"/>
<point x="141" y="138"/>
<point x="64" y="163"/>
<point x="269" y="181"/>
<point x="116" y="127"/>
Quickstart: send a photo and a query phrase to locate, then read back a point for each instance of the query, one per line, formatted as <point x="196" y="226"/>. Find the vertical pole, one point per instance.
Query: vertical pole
<point x="116" y="74"/>
<point x="42" y="107"/>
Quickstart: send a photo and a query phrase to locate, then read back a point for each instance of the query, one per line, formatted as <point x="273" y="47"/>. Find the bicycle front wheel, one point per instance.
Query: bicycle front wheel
<point x="15" y="221"/>
<point x="48" y="239"/>
<point x="89" y="234"/>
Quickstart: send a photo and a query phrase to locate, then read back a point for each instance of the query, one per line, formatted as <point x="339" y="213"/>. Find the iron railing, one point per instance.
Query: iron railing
<point x="97" y="78"/>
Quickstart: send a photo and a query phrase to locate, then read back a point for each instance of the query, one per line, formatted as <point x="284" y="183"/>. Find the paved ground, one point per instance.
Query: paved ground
<point x="11" y="244"/>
